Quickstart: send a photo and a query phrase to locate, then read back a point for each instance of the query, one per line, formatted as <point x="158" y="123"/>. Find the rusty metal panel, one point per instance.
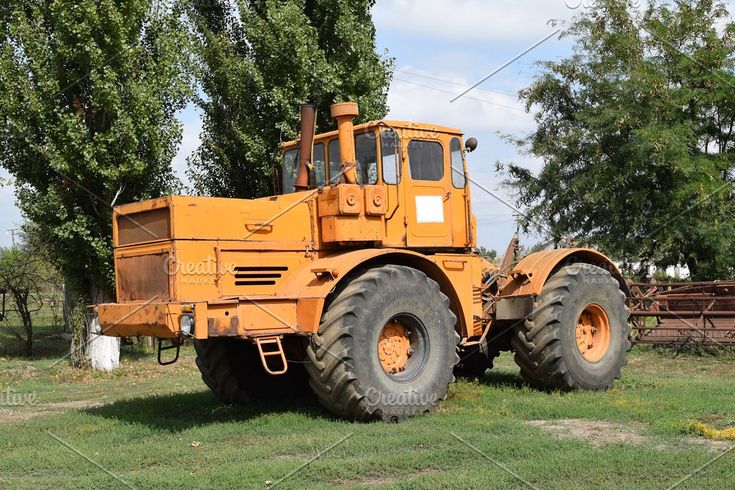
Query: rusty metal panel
<point x="146" y="226"/>
<point x="514" y="308"/>
<point x="154" y="319"/>
<point x="144" y="278"/>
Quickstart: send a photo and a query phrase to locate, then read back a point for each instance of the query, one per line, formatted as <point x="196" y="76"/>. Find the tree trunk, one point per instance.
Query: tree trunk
<point x="67" y="311"/>
<point x="28" y="327"/>
<point x="87" y="348"/>
<point x="75" y="322"/>
<point x="103" y="352"/>
<point x="694" y="269"/>
<point x="29" y="342"/>
<point x="21" y="301"/>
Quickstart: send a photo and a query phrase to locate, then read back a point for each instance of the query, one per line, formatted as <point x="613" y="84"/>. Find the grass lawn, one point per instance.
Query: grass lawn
<point x="158" y="427"/>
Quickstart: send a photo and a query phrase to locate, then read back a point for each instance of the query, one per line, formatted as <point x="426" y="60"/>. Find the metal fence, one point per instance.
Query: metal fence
<point x="701" y="313"/>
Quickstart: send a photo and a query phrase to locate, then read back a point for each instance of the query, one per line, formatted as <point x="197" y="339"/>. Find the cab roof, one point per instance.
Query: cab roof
<point x="388" y="123"/>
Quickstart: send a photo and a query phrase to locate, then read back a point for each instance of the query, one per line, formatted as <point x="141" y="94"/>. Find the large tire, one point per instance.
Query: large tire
<point x="546" y="346"/>
<point x="232" y="369"/>
<point x="346" y="372"/>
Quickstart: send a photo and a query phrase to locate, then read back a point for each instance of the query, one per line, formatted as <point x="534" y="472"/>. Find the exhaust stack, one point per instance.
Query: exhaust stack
<point x="345" y="113"/>
<point x="306" y="148"/>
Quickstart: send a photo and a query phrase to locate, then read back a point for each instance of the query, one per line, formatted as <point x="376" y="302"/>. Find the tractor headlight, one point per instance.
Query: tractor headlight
<point x="187" y="325"/>
<point x="95" y="325"/>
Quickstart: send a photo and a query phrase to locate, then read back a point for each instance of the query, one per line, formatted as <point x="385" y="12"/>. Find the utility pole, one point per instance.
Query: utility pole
<point x="12" y="236"/>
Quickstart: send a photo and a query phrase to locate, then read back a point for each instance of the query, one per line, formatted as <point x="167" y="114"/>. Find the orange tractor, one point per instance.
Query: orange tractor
<point x="359" y="280"/>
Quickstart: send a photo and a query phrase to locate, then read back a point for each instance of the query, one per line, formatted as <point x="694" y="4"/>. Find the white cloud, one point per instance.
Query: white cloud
<point x="474" y="20"/>
<point x="424" y="99"/>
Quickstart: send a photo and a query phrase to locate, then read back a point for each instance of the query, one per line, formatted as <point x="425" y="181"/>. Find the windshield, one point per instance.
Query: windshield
<point x="290" y="166"/>
<point x="328" y="156"/>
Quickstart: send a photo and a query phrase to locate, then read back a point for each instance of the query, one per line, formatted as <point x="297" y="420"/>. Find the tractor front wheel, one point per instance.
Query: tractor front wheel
<point x="386" y="347"/>
<point x="578" y="335"/>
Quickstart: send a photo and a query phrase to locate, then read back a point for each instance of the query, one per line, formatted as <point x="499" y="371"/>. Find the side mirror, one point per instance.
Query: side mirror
<point x="470" y="145"/>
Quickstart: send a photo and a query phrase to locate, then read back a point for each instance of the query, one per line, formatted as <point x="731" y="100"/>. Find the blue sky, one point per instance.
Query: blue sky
<point x="441" y="46"/>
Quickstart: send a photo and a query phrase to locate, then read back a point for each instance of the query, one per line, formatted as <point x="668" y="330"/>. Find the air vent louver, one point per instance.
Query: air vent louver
<point x="258" y="275"/>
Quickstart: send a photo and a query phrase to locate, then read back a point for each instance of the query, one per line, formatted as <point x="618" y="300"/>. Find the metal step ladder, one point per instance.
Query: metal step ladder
<point x="269" y="347"/>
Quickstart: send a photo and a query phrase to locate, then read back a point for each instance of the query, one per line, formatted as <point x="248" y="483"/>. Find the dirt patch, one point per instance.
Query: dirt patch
<point x="384" y="480"/>
<point x="28" y="413"/>
<point x="598" y="433"/>
<point x="73" y="405"/>
<point x="16" y="416"/>
<point x="373" y="482"/>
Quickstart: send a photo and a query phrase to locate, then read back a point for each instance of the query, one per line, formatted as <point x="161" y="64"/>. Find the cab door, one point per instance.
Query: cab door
<point x="462" y="233"/>
<point x="428" y="195"/>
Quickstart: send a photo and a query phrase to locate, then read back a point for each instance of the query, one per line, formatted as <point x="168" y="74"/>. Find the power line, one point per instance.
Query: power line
<point x="452" y="93"/>
<point x="505" y="65"/>
<point x="459" y="84"/>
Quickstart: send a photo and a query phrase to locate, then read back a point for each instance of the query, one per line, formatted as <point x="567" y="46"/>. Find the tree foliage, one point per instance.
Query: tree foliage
<point x="258" y="62"/>
<point x="636" y="133"/>
<point x="488" y="254"/>
<point x="88" y="95"/>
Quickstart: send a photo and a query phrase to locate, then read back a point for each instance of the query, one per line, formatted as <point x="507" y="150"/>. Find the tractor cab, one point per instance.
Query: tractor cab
<point x="398" y="183"/>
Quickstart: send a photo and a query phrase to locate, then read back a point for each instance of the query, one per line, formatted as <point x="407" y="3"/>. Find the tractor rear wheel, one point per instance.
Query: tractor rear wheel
<point x="578" y="335"/>
<point x="386" y="347"/>
<point x="232" y="369"/>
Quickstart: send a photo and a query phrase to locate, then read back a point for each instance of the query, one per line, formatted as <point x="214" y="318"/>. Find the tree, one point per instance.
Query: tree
<point x="26" y="276"/>
<point x="488" y="254"/>
<point x="636" y="132"/>
<point x="88" y="95"/>
<point x="536" y="247"/>
<point x="258" y="62"/>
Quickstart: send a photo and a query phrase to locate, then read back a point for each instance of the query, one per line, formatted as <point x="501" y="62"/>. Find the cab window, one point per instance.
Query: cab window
<point x="426" y="160"/>
<point x="290" y="166"/>
<point x="390" y="151"/>
<point x="459" y="179"/>
<point x="320" y="164"/>
<point x="366" y="154"/>
<point x="335" y="169"/>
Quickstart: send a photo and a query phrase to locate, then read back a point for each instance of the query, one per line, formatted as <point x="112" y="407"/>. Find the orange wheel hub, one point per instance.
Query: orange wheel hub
<point x="593" y="333"/>
<point x="394" y="347"/>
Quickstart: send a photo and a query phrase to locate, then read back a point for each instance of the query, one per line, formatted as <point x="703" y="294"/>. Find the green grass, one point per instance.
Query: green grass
<point x="149" y="417"/>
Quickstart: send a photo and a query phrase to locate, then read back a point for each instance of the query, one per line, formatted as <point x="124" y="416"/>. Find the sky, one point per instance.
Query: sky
<point x="440" y="48"/>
